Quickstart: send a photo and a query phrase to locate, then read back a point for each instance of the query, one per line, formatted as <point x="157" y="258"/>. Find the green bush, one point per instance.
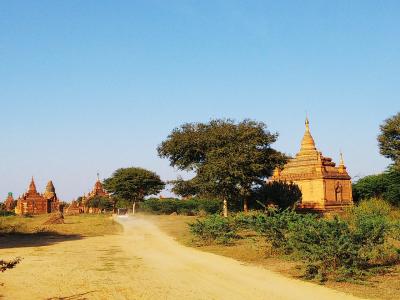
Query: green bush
<point x="247" y="220"/>
<point x="385" y="185"/>
<point x="275" y="227"/>
<point x="5" y="213"/>
<point x="160" y="206"/>
<point x="214" y="228"/>
<point x="191" y="206"/>
<point x="344" y="249"/>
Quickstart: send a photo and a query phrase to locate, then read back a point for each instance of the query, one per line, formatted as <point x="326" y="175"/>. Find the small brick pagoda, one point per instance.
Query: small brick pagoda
<point x="82" y="207"/>
<point x="323" y="186"/>
<point x="9" y="204"/>
<point x="97" y="191"/>
<point x="35" y="203"/>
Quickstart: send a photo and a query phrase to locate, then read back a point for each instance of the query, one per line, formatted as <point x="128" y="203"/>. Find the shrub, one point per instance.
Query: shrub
<point x="214" y="228"/>
<point x="344" y="249"/>
<point x="275" y="227"/>
<point x="326" y="246"/>
<point x="160" y="206"/>
<point x="5" y="213"/>
<point x="247" y="220"/>
<point x="191" y="206"/>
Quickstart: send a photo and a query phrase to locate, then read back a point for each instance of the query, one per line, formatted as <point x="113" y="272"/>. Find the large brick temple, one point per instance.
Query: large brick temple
<point x="35" y="203"/>
<point x="324" y="186"/>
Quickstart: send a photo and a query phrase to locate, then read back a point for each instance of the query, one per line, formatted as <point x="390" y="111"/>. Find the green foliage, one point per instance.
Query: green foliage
<point x="229" y="158"/>
<point x="101" y="203"/>
<point x="214" y="228"/>
<point x="340" y="248"/>
<point x="389" y="139"/>
<point x="5" y="213"/>
<point x="371" y="207"/>
<point x="120" y="202"/>
<point x="385" y="185"/>
<point x="282" y="194"/>
<point x="160" y="206"/>
<point x="371" y="186"/>
<point x="133" y="184"/>
<point x="184" y="188"/>
<point x="192" y="206"/>
<point x="344" y="249"/>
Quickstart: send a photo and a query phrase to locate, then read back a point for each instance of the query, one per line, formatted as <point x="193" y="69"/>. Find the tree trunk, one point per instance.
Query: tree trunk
<point x="133" y="207"/>
<point x="245" y="206"/>
<point x="225" y="209"/>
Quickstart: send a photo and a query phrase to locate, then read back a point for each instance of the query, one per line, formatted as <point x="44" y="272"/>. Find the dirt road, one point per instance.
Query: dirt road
<point x="143" y="263"/>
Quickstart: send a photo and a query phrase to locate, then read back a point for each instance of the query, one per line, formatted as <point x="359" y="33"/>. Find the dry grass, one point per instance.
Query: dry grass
<point x="253" y="250"/>
<point x="83" y="225"/>
<point x="17" y="231"/>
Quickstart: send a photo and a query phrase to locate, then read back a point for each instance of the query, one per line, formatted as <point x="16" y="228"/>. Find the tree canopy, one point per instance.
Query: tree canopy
<point x="133" y="184"/>
<point x="184" y="188"/>
<point x="385" y="185"/>
<point x="228" y="158"/>
<point x="101" y="203"/>
<point x="389" y="139"/>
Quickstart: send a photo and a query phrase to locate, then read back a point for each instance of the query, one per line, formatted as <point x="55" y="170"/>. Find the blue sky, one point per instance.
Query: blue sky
<point x="92" y="86"/>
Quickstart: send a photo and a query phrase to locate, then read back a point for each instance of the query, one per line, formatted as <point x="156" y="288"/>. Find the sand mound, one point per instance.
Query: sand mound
<point x="57" y="218"/>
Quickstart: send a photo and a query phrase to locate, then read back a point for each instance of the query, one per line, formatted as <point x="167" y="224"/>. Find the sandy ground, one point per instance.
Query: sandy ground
<point x="143" y="263"/>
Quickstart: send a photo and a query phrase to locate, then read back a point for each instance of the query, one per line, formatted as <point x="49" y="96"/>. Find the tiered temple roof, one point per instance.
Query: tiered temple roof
<point x="33" y="202"/>
<point x="321" y="182"/>
<point x="310" y="163"/>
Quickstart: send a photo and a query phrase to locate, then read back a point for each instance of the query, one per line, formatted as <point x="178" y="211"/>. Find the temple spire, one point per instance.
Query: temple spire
<point x="307" y="124"/>
<point x="32" y="186"/>
<point x="50" y="187"/>
<point x="307" y="142"/>
<point x="341" y="167"/>
<point x="341" y="163"/>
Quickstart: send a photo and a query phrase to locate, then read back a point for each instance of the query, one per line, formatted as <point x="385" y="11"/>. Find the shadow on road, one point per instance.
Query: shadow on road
<point x="44" y="238"/>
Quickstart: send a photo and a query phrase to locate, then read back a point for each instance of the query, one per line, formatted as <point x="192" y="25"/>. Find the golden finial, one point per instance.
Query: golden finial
<point x="341" y="159"/>
<point x="307" y="124"/>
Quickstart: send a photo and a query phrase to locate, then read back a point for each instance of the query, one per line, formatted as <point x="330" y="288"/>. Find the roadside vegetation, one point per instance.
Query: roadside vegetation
<point x="351" y="246"/>
<point x="190" y="207"/>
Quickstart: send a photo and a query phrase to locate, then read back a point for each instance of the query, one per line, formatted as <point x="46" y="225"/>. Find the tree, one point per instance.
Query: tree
<point x="229" y="158"/>
<point x="385" y="186"/>
<point x="371" y="186"/>
<point x="102" y="203"/>
<point x="282" y="194"/>
<point x="133" y="184"/>
<point x="184" y="188"/>
<point x="389" y="139"/>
